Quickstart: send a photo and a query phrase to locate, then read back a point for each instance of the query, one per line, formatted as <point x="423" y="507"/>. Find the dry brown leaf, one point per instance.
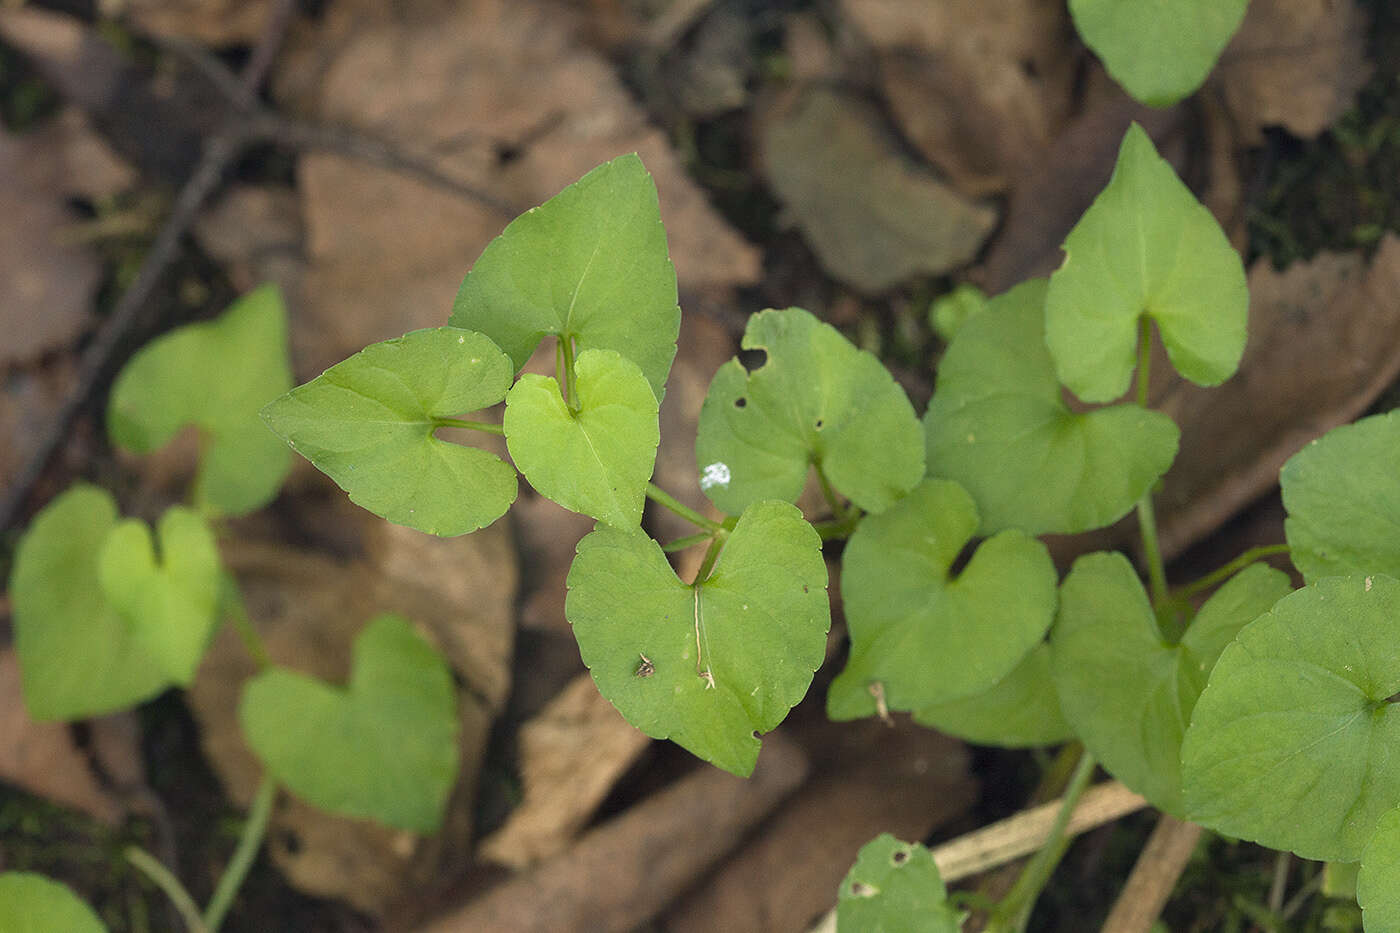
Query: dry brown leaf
<point x="31" y="398"/>
<point x="41" y="758"/>
<point x="570" y="756"/>
<point x="256" y="235"/>
<point x="211" y="22"/>
<point x="1294" y="63"/>
<point x="1324" y="341"/>
<point x="871" y="215"/>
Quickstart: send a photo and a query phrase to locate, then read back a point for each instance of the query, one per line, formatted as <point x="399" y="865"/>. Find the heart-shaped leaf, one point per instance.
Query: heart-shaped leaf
<point x="1293" y="743"/>
<point x="919" y="636"/>
<point x="998" y="425"/>
<point x="595" y="460"/>
<point x="215" y="375"/>
<point x="1159" y="52"/>
<point x="1145" y="247"/>
<point x="32" y="903"/>
<point x="1021" y="710"/>
<point x="171" y="604"/>
<point x="589" y="265"/>
<point x="368" y="422"/>
<point x="1342" y="494"/>
<point x="384" y="749"/>
<point x="895" y="887"/>
<point x="77" y="656"/>
<point x="815" y="400"/>
<point x="1378" y="884"/>
<point x="1129" y="693"/>
<point x="710" y="664"/>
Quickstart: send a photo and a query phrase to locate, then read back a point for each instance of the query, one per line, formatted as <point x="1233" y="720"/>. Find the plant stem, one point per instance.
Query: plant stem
<point x="1144" y="358"/>
<point x="837" y="530"/>
<point x="1014" y="911"/>
<point x="1223" y="573"/>
<point x="667" y="501"/>
<point x="566" y="345"/>
<point x="248" y="844"/>
<point x="151" y="867"/>
<point x="712" y="555"/>
<point x="829" y="492"/>
<point x="689" y="541"/>
<point x="233" y="605"/>
<point x="484" y="426"/>
<point x="1147" y="518"/>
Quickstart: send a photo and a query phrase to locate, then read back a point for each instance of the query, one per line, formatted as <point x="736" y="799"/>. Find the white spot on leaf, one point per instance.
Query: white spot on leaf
<point x="716" y="474"/>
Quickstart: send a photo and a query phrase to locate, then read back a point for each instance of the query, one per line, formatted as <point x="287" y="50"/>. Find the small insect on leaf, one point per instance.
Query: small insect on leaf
<point x="645" y="668"/>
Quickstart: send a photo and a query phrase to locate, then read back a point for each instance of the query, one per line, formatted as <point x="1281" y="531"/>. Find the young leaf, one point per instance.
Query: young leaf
<point x="32" y="903"/>
<point x="1021" y="710"/>
<point x="1292" y="744"/>
<point x="77" y="656"/>
<point x="925" y="638"/>
<point x="214" y="375"/>
<point x="1145" y="246"/>
<point x="171" y="604"/>
<point x="384" y="749"/>
<point x="590" y="264"/>
<point x="950" y="312"/>
<point x="368" y="422"/>
<point x="815" y="400"/>
<point x="1159" y="52"/>
<point x="1343" y="500"/>
<point x="597" y="460"/>
<point x="1378" y="885"/>
<point x="1126" y="691"/>
<point x="894" y="887"/>
<point x="997" y="425"/>
<point x="710" y="664"/>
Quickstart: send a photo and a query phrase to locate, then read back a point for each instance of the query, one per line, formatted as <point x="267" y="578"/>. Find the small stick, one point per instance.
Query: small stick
<point x="1154" y="876"/>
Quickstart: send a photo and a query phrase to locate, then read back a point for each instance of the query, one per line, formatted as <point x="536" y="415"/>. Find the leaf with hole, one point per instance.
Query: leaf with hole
<point x="1159" y="52"/>
<point x="591" y="265"/>
<point x="170" y="602"/>
<point x="384" y="748"/>
<point x="596" y="460"/>
<point x="706" y="665"/>
<point x="368" y="423"/>
<point x="1342" y="494"/>
<point x="1292" y="744"/>
<point x="32" y="903"/>
<point x="78" y="656"/>
<point x="1127" y="691"/>
<point x="815" y="400"/>
<point x="894" y="887"/>
<point x="1146" y="246"/>
<point x="1021" y="710"/>
<point x="920" y="635"/>
<point x="216" y="376"/>
<point x="1378" y="884"/>
<point x="998" y="425"/>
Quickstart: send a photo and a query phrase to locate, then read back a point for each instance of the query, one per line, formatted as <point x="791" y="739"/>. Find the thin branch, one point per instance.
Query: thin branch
<point x="1154" y="876"/>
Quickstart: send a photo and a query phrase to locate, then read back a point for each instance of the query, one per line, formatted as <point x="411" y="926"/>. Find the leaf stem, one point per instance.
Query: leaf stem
<point x="152" y="868"/>
<point x="712" y="555"/>
<point x="689" y="541"/>
<point x="1144" y="357"/>
<point x="1014" y="911"/>
<point x="566" y="347"/>
<point x="667" y="501"/>
<point x="1147" y="518"/>
<point x="247" y="633"/>
<point x="1223" y="573"/>
<point x="829" y="492"/>
<point x="254" y="828"/>
<point x="837" y="530"/>
<point x="484" y="426"/>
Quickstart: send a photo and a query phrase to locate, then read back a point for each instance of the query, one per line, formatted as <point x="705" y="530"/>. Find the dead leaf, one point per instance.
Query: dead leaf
<point x="41" y="758"/>
<point x="255" y="233"/>
<point x="1294" y="63"/>
<point x="873" y="217"/>
<point x="31" y="398"/>
<point x="1324" y="342"/>
<point x="209" y="22"/>
<point x="571" y="754"/>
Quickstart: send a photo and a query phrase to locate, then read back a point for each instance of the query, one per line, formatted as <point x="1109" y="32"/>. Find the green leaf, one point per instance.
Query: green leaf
<point x="597" y="460"/>
<point x="77" y="656"/>
<point x="1292" y="744"/>
<point x="998" y="425"/>
<point x="368" y="422"/>
<point x="710" y="664"/>
<point x="214" y="375"/>
<point x="1378" y="885"/>
<point x="1145" y="246"/>
<point x="894" y="887"/>
<point x="171" y="604"/>
<point x="815" y="400"/>
<point x="950" y="312"/>
<point x="926" y="638"/>
<point x="1021" y="710"/>
<point x="1159" y="52"/>
<point x="384" y="749"/>
<point x="32" y="903"/>
<point x="590" y="264"/>
<point x="1129" y="693"/>
<point x="1342" y="494"/>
